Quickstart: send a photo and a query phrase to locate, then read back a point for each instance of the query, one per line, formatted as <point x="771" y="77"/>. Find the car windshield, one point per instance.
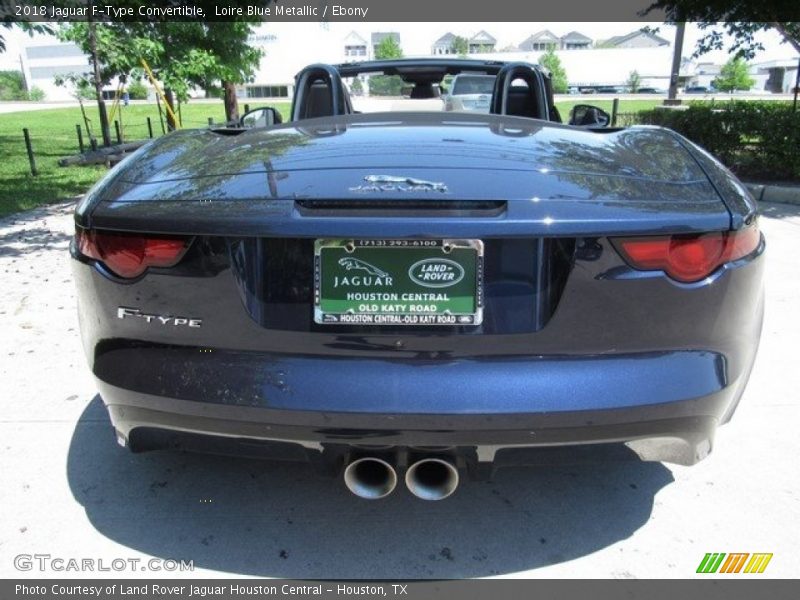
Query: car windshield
<point x="473" y="84"/>
<point x="389" y="93"/>
<point x="374" y="92"/>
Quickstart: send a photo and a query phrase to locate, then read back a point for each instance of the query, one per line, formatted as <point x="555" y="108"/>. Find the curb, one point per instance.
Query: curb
<point x="783" y="194"/>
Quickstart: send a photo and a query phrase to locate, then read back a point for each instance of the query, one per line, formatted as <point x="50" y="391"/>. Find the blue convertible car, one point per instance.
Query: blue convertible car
<point x="420" y="294"/>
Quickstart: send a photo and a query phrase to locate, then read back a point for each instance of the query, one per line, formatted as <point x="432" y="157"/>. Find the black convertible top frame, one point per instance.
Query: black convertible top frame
<point x="537" y="103"/>
<point x="408" y="68"/>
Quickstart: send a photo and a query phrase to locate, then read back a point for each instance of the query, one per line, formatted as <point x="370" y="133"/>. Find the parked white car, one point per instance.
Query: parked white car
<point x="470" y="92"/>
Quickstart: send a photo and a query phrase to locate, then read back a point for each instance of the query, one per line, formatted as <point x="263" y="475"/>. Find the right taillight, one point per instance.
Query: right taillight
<point x="688" y="258"/>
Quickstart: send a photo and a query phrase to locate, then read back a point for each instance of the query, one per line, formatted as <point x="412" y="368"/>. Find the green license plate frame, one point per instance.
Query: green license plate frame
<point x="398" y="282"/>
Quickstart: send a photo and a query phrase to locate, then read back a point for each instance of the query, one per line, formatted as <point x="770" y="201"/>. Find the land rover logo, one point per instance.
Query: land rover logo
<point x="436" y="272"/>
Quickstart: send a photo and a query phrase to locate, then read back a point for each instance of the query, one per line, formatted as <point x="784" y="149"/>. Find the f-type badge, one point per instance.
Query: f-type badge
<point x="392" y="183"/>
<point x="124" y="312"/>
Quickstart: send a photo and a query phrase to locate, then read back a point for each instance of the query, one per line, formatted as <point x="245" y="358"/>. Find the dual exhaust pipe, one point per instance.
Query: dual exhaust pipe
<point x="374" y="478"/>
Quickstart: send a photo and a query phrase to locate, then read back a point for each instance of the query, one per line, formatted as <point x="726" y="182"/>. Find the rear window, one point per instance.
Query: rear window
<point x="473" y="84"/>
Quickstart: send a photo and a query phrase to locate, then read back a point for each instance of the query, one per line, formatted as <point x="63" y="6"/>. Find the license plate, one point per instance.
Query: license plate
<point x="398" y="282"/>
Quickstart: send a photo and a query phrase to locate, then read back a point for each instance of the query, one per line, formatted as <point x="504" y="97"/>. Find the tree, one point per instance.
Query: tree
<point x="741" y="19"/>
<point x="460" y="46"/>
<point x="634" y="82"/>
<point x="82" y="89"/>
<point x="734" y="75"/>
<point x="388" y="48"/>
<point x="182" y="55"/>
<point x="381" y="85"/>
<point x="550" y="61"/>
<point x="110" y="55"/>
<point x="197" y="54"/>
<point x="236" y="59"/>
<point x="12" y="85"/>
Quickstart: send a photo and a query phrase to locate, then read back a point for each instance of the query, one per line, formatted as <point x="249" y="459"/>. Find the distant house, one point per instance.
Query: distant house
<point x="575" y="40"/>
<point x="541" y="42"/>
<point x="703" y="75"/>
<point x="355" y="45"/>
<point x="444" y="45"/>
<point x="481" y="42"/>
<point x="379" y="36"/>
<point x="636" y="39"/>
<point x="547" y="40"/>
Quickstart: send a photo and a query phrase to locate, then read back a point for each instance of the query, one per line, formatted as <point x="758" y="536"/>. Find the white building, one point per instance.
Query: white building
<point x="481" y="42"/>
<point x="45" y="59"/>
<point x="444" y="45"/>
<point x="636" y="39"/>
<point x="545" y="40"/>
<point x="288" y="47"/>
<point x="700" y="74"/>
<point x="777" y="76"/>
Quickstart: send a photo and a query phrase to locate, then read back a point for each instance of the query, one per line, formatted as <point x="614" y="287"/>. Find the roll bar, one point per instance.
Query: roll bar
<point x="340" y="104"/>
<point x="536" y="89"/>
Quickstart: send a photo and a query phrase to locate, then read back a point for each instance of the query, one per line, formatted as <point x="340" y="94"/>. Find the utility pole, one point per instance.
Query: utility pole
<point x="25" y="87"/>
<point x="672" y="97"/>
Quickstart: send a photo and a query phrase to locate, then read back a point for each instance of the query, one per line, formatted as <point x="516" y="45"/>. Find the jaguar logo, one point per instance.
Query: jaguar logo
<point x="436" y="272"/>
<point x="350" y="263"/>
<point x="392" y="183"/>
<point x="374" y="277"/>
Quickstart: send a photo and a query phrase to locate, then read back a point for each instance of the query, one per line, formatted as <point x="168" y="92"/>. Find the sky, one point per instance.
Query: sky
<point x="418" y="37"/>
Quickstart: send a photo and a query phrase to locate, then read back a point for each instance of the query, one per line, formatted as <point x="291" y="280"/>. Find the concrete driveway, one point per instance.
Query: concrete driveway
<point x="69" y="492"/>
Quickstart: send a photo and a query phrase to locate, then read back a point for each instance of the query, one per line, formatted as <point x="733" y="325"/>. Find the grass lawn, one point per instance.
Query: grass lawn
<point x="625" y="106"/>
<point x="53" y="137"/>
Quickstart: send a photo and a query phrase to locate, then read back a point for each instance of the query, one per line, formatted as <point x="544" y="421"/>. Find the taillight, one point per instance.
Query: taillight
<point x="688" y="258"/>
<point x="129" y="255"/>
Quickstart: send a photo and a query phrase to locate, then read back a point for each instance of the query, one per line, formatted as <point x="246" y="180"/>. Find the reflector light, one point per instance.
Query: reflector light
<point x="688" y="258"/>
<point x="130" y="255"/>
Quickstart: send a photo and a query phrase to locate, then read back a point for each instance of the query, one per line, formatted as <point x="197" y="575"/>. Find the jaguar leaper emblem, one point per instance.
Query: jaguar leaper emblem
<point x="393" y="183"/>
<point x="350" y="263"/>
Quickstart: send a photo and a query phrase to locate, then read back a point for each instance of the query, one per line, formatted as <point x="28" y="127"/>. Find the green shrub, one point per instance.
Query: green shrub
<point x="137" y="90"/>
<point x="12" y="86"/>
<point x="758" y="139"/>
<point x="36" y="94"/>
<point x="385" y="85"/>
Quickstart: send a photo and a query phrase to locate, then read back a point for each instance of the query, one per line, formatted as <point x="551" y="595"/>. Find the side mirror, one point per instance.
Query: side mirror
<point x="260" y="117"/>
<point x="586" y="115"/>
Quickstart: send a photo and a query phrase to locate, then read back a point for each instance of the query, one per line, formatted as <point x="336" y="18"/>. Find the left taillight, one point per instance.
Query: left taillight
<point x="688" y="258"/>
<point x="129" y="255"/>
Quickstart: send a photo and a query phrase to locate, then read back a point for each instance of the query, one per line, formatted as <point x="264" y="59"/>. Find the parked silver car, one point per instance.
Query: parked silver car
<point x="470" y="92"/>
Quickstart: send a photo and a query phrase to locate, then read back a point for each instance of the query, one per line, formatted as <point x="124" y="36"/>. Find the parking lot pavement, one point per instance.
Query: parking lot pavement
<point x="69" y="492"/>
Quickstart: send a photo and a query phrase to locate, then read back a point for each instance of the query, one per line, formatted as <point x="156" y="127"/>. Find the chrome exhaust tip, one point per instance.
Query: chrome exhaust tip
<point x="432" y="479"/>
<point x="370" y="478"/>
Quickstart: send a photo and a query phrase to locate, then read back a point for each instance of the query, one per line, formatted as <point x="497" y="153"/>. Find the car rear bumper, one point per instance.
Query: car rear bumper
<point x="663" y="406"/>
